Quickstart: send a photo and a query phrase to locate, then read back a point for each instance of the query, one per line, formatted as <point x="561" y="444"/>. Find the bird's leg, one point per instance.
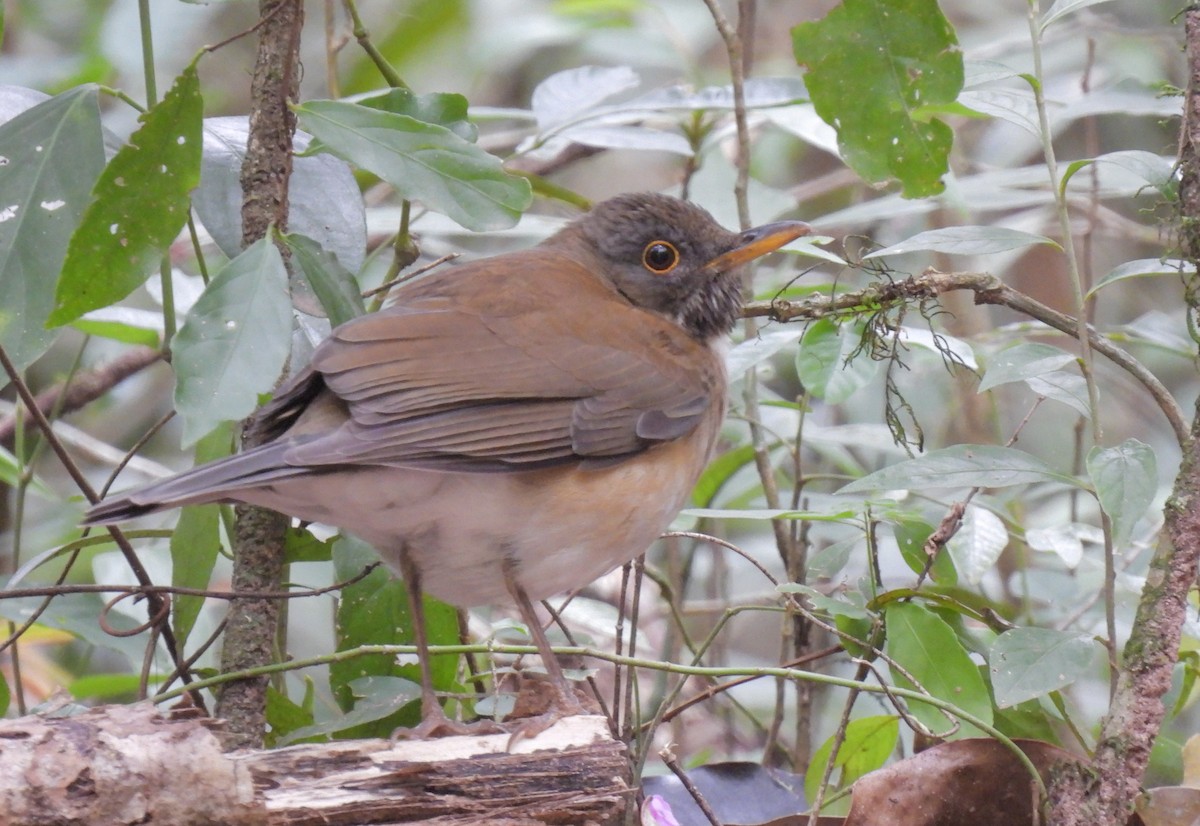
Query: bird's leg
<point x="568" y="702"/>
<point x="434" y="722"/>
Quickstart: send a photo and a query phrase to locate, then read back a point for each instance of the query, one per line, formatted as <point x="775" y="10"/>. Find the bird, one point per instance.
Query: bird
<point x="509" y="428"/>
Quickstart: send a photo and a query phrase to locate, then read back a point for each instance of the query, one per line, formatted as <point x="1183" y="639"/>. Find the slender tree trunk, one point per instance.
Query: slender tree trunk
<point x="258" y="544"/>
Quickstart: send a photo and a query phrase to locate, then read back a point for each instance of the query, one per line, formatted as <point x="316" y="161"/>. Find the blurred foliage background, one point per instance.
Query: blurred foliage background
<point x="1032" y="553"/>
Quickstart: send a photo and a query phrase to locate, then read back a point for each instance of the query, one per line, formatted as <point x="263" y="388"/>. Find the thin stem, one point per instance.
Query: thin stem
<point x="364" y="40"/>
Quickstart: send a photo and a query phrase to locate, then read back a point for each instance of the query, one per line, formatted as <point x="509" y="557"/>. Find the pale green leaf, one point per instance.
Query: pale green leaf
<point x="50" y="155"/>
<point x="1142" y="267"/>
<point x="1022" y="361"/>
<point x="962" y="466"/>
<point x="1126" y="479"/>
<point x="828" y="362"/>
<point x="422" y="161"/>
<point x="235" y="341"/>
<point x="1026" y="663"/>
<point x="196" y="540"/>
<point x="971" y="240"/>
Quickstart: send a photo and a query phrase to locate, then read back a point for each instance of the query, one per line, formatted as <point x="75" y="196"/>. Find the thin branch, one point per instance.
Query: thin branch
<point x="988" y="289"/>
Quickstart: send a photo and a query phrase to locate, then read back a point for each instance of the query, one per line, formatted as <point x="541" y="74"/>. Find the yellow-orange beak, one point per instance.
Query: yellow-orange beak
<point x="758" y="241"/>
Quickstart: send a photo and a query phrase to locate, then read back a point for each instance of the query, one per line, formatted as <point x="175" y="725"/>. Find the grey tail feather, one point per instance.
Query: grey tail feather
<point x="217" y="481"/>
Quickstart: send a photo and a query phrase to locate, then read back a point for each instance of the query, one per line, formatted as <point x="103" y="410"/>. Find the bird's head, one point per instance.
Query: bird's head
<point x="671" y="257"/>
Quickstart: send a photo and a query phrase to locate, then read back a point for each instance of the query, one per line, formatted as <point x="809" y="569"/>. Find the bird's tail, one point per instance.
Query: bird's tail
<point x="218" y="481"/>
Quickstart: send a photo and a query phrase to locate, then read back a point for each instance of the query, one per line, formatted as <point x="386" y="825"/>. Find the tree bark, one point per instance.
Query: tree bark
<point x="1104" y="791"/>
<point x="258" y="543"/>
<point x="121" y="765"/>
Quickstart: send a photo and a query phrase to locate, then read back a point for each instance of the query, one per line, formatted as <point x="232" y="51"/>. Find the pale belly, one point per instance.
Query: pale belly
<point x="554" y="530"/>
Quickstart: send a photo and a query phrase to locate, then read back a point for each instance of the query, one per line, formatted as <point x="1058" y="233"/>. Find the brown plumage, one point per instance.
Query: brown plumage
<point x="515" y="426"/>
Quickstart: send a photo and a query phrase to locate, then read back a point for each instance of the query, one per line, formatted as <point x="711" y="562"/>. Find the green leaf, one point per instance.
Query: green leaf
<point x="325" y="203"/>
<point x="375" y="610"/>
<point x="973" y="240"/>
<point x="1126" y="479"/>
<point x="235" y="341"/>
<point x="567" y="95"/>
<point x="131" y="325"/>
<point x="718" y="472"/>
<point x="1025" y="663"/>
<point x="50" y="155"/>
<point x="334" y="285"/>
<point x="872" y="65"/>
<point x="285" y="716"/>
<point x="1156" y="170"/>
<point x="377" y="702"/>
<point x="927" y="647"/>
<point x="758" y="514"/>
<point x="962" y="466"/>
<point x="444" y="109"/>
<point x="138" y="206"/>
<point x="422" y="161"/>
<point x="977" y="546"/>
<point x="753" y="351"/>
<point x="1061" y="386"/>
<point x="1022" y="361"/>
<point x="1143" y="267"/>
<point x="829" y="364"/>
<point x="301" y="546"/>
<point x="1062" y="8"/>
<point x="196" y="541"/>
<point x="867" y="744"/>
<point x="5" y="696"/>
<point x="911" y="536"/>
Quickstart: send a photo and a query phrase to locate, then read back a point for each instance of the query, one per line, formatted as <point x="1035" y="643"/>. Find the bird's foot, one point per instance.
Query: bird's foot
<point x="540" y="705"/>
<point x="434" y="723"/>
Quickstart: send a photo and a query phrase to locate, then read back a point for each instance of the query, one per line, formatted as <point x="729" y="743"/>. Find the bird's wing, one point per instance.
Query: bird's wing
<point x="467" y="371"/>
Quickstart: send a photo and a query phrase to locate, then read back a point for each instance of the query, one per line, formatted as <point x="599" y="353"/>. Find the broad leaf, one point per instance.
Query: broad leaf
<point x="138" y="206"/>
<point x="325" y="203"/>
<point x="567" y="95"/>
<point x="977" y="546"/>
<point x="1142" y="267"/>
<point x="1022" y="361"/>
<point x="197" y="540"/>
<point x="1157" y="170"/>
<point x="444" y="109"/>
<point x="1015" y="106"/>
<point x="872" y="65"/>
<point x="911" y="536"/>
<point x="753" y="351"/>
<point x="1061" y="386"/>
<point x="965" y="241"/>
<point x="235" y="341"/>
<point x="50" y="155"/>
<point x="375" y="610"/>
<point x="1025" y="663"/>
<point x="828" y="364"/>
<point x="962" y="466"/>
<point x="1126" y="479"/>
<point x="1062" y="8"/>
<point x="927" y="647"/>
<point x="422" y="161"/>
<point x="333" y="284"/>
<point x="866" y="745"/>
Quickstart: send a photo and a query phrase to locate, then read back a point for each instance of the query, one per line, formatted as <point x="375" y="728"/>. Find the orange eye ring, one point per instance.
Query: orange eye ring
<point x="660" y="257"/>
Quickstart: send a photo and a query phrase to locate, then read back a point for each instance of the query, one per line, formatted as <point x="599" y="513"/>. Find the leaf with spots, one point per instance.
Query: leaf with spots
<point x="235" y="341"/>
<point x="50" y="155"/>
<point x="1026" y="663"/>
<point x="138" y="206"/>
<point x="873" y="66"/>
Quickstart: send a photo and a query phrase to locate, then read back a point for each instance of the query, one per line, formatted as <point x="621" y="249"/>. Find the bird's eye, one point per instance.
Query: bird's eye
<point x="660" y="257"/>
